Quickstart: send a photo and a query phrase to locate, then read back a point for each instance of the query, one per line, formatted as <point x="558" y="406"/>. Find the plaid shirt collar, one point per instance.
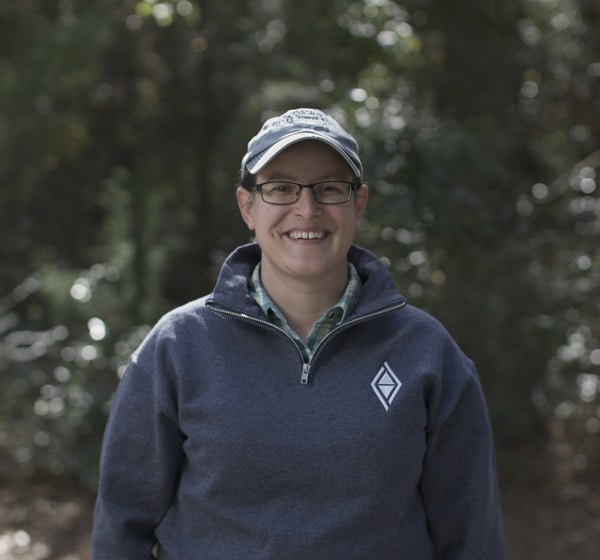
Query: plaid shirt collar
<point x="330" y="319"/>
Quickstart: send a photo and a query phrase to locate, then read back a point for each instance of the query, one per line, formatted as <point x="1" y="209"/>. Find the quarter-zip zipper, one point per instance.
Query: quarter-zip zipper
<point x="268" y="324"/>
<point x="305" y="372"/>
<point x="306" y="369"/>
<point x="306" y="365"/>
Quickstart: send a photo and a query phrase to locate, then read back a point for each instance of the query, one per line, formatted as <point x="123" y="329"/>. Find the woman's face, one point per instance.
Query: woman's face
<point x="305" y="240"/>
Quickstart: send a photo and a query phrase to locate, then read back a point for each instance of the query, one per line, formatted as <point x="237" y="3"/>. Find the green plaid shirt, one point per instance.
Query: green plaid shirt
<point x="330" y="319"/>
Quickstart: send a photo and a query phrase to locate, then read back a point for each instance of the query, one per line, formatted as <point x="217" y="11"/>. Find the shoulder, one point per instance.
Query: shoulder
<point x="424" y="320"/>
<point x="191" y="312"/>
<point x="176" y="326"/>
<point x="428" y="340"/>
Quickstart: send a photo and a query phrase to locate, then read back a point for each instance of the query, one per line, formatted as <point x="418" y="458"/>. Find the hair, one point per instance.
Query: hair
<point x="248" y="181"/>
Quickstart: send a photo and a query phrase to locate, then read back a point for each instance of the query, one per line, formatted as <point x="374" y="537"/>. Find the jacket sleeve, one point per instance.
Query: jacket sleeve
<point x="459" y="481"/>
<point x="141" y="459"/>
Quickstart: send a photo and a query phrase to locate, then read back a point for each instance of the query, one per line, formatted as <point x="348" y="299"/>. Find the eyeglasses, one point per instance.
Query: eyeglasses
<point x="325" y="192"/>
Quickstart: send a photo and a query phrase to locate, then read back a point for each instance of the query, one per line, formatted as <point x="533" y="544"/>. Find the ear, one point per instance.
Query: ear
<point x="361" y="195"/>
<point x="245" y="200"/>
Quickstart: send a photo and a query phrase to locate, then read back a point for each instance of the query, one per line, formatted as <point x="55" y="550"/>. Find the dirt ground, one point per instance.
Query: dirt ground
<point x="553" y="524"/>
<point x="44" y="520"/>
<point x="545" y="520"/>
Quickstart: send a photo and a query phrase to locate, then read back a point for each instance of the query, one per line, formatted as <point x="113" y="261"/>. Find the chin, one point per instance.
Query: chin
<point x="316" y="267"/>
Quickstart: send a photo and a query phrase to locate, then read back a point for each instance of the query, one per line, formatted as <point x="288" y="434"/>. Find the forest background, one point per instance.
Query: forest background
<point x="122" y="124"/>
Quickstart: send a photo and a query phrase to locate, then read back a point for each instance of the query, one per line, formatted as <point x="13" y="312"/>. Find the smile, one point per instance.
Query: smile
<point x="307" y="234"/>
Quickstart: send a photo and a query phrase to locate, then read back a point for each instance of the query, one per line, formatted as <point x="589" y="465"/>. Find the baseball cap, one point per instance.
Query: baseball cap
<point x="296" y="125"/>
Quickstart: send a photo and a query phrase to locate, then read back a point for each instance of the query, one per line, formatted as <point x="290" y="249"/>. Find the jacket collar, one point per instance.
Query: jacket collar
<point x="232" y="290"/>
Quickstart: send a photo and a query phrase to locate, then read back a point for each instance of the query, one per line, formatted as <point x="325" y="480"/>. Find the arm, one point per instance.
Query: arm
<point x="459" y="482"/>
<point x="141" y="459"/>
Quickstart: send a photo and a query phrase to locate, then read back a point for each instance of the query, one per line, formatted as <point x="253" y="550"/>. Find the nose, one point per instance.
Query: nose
<point x="307" y="204"/>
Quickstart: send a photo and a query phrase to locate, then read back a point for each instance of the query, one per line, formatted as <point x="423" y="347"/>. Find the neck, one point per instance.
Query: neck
<point x="303" y="302"/>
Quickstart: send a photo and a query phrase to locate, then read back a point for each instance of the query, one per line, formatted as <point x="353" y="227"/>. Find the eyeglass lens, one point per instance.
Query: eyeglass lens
<point x="326" y="192"/>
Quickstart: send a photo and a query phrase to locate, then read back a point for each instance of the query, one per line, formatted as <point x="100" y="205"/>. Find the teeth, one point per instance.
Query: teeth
<point x="307" y="234"/>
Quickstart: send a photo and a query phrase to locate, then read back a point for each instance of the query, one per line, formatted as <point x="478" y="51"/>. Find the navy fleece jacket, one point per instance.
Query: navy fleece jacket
<point x="223" y="445"/>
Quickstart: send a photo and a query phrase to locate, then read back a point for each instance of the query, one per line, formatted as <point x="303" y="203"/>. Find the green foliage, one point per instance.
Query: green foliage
<point x="121" y="131"/>
<point x="64" y="343"/>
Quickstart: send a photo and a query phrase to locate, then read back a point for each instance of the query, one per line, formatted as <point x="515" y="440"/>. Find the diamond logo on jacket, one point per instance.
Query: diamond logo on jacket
<point x="386" y="385"/>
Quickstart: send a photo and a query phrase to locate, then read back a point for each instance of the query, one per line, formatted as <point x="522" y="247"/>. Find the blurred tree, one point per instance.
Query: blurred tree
<point x="453" y="122"/>
<point x="121" y="132"/>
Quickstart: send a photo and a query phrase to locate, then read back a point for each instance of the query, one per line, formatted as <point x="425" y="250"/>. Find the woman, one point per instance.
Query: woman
<point x="303" y="410"/>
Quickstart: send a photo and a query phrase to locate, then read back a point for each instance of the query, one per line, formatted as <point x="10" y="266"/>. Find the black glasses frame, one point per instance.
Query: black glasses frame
<point x="350" y="185"/>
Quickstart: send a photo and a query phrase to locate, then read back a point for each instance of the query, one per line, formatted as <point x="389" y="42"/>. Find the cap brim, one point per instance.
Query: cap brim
<point x="294" y="138"/>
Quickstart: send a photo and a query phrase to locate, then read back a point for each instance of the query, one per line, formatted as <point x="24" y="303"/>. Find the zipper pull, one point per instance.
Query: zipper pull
<point x="304" y="378"/>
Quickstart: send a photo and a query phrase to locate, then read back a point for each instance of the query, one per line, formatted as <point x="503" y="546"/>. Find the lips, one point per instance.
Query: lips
<point x="307" y="234"/>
